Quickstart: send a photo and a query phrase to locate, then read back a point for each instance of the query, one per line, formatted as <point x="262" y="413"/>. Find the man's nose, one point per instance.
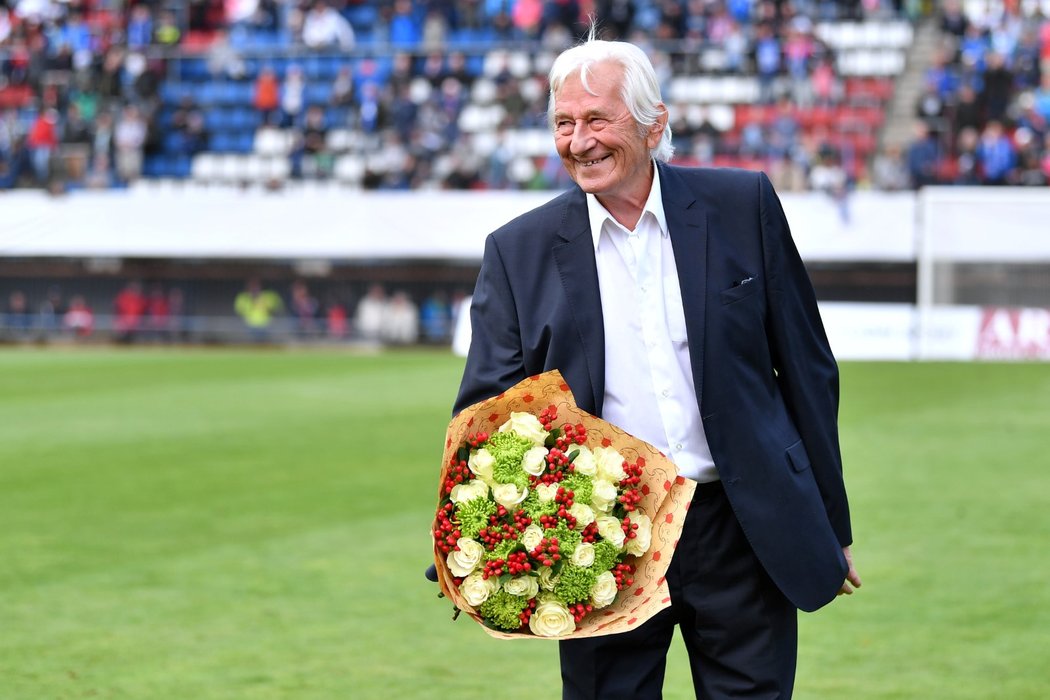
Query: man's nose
<point x="582" y="138"/>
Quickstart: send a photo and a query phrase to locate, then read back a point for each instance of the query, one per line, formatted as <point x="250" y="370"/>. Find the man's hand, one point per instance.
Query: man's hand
<point x="852" y="577"/>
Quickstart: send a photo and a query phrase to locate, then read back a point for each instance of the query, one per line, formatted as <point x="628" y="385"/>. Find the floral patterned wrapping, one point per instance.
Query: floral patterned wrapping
<point x="666" y="499"/>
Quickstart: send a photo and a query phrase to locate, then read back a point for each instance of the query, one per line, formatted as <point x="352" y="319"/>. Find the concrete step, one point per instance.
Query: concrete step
<point x="900" y="112"/>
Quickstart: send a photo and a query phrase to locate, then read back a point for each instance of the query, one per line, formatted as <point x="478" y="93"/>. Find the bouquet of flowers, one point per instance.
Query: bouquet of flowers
<point x="547" y="515"/>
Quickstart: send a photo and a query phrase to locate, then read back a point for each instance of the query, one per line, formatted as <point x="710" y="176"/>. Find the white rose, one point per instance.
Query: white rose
<point x="527" y="426"/>
<point x="583" y="513"/>
<point x="463" y="560"/>
<point x="551" y="619"/>
<point x="526" y="586"/>
<point x="546" y="492"/>
<point x="480" y="462"/>
<point x="643" y="536"/>
<point x="603" y="497"/>
<point x="508" y="495"/>
<point x="548" y="580"/>
<point x="610" y="464"/>
<point x="611" y="530"/>
<point x="531" y="537"/>
<point x="585" y="463"/>
<point x="604" y="590"/>
<point x="475" y="488"/>
<point x="535" y="460"/>
<point x="583" y="555"/>
<point x="476" y="589"/>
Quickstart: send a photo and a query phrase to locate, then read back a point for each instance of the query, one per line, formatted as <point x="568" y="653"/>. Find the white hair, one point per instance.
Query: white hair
<point x="640" y="90"/>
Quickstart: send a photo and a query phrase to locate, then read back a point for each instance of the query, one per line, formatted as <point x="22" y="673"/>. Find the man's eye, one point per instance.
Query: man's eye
<point x="598" y="123"/>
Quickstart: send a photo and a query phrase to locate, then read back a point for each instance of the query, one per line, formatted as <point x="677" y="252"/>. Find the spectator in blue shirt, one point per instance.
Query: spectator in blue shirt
<point x="140" y="28"/>
<point x="996" y="155"/>
<point x="922" y="157"/>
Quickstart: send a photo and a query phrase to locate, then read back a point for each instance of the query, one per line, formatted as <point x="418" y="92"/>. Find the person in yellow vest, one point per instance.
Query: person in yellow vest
<point x="257" y="307"/>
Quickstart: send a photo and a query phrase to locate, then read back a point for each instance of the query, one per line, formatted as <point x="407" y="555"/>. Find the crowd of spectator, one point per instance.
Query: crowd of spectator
<point x="155" y="312"/>
<point x="135" y="314"/>
<point x="983" y="116"/>
<point x="81" y="80"/>
<point x="82" y="88"/>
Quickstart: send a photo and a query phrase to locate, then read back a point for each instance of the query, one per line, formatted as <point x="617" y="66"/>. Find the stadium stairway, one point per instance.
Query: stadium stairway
<point x="900" y="112"/>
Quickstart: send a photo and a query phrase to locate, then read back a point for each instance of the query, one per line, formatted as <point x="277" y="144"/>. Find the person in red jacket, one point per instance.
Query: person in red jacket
<point x="267" y="94"/>
<point x="130" y="307"/>
<point x="41" y="141"/>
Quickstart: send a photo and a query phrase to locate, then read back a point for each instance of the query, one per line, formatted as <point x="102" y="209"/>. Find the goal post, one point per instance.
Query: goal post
<point x="983" y="267"/>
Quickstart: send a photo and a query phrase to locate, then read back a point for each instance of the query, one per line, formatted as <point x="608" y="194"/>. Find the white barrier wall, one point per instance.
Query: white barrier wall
<point x="335" y="223"/>
<point x="890" y="332"/>
<point x="858" y="331"/>
<point x="318" y="223"/>
<point x="869" y="331"/>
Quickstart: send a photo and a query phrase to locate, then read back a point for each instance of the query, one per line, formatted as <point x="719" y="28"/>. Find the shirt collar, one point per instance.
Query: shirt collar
<point x="598" y="215"/>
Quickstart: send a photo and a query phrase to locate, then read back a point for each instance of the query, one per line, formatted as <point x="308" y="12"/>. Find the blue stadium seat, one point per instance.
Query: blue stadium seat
<point x="164" y="116"/>
<point x="171" y="93"/>
<point x="362" y="17"/>
<point x="208" y="94"/>
<point x="336" y="117"/>
<point x="220" y="142"/>
<point x="312" y="67"/>
<point x="243" y="93"/>
<point x="216" y="120"/>
<point x="280" y="64"/>
<point x="174" y="142"/>
<point x="179" y="166"/>
<point x="193" y="69"/>
<point x="252" y="66"/>
<point x="242" y="142"/>
<point x="152" y="166"/>
<point x="318" y="93"/>
<point x="244" y="118"/>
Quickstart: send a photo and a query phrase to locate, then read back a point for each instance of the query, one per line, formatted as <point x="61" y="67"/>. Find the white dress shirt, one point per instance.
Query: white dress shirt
<point x="649" y="389"/>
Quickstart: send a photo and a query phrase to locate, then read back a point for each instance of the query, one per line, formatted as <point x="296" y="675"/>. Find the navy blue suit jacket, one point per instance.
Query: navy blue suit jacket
<point x="765" y="377"/>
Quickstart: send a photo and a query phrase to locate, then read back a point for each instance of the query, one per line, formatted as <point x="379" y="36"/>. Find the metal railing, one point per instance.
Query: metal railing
<point x="196" y="330"/>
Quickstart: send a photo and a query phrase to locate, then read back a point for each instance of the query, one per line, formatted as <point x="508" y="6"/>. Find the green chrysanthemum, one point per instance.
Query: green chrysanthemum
<point x="582" y="487"/>
<point x="567" y="539"/>
<point x="474" y="515"/>
<point x="507" y="449"/>
<point x="534" y="508"/>
<point x="605" y="555"/>
<point x="575" y="584"/>
<point x="503" y="610"/>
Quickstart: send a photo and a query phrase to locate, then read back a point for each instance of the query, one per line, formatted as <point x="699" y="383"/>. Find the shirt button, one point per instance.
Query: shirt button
<point x="678" y="446"/>
<point x="665" y="393"/>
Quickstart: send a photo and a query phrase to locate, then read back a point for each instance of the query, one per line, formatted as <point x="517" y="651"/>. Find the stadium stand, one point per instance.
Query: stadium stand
<point x="425" y="94"/>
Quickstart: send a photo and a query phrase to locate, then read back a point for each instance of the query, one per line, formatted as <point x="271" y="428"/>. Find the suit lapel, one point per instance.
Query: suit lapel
<point x="574" y="257"/>
<point x="687" y="225"/>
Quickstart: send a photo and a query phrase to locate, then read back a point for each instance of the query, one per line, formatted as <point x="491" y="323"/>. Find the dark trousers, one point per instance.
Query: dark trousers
<point x="740" y="631"/>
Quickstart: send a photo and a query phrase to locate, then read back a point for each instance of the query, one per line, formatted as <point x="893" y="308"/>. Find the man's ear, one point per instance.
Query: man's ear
<point x="657" y="129"/>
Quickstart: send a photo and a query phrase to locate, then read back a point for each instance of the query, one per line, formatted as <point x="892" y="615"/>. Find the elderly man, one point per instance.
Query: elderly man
<point x="675" y="304"/>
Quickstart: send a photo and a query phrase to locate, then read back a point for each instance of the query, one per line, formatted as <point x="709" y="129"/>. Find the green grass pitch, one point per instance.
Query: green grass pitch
<point x="254" y="524"/>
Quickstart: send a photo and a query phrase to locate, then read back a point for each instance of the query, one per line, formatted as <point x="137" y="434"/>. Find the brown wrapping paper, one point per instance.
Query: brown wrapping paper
<point x="666" y="499"/>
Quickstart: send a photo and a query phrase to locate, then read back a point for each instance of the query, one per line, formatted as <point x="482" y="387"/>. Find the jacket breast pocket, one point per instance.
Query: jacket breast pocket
<point x="741" y="290"/>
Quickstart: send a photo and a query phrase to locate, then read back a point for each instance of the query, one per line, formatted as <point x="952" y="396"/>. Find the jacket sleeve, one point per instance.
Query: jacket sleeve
<point x="494" y="361"/>
<point x="805" y="367"/>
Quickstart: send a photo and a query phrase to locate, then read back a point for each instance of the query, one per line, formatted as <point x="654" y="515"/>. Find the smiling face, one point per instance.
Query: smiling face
<point x="602" y="147"/>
